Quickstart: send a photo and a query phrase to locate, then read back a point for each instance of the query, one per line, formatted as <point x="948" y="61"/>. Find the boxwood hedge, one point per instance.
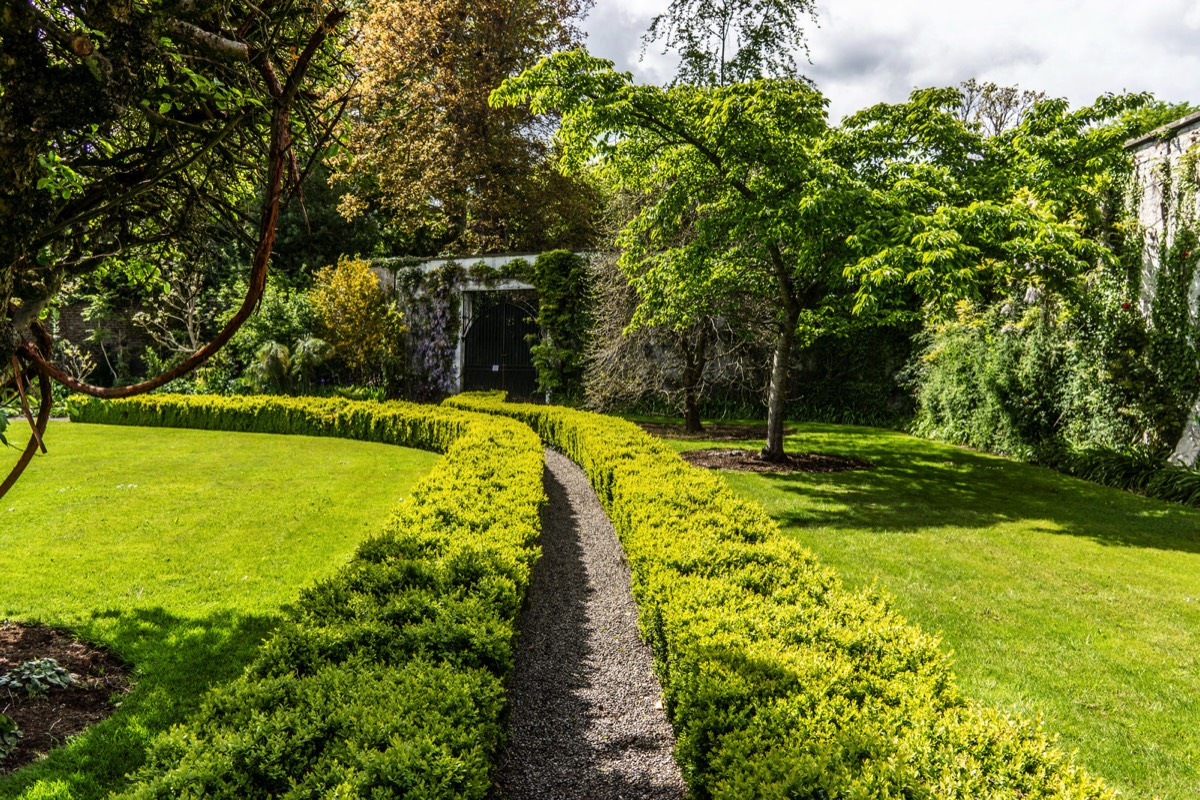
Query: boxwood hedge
<point x="388" y="679"/>
<point x="781" y="682"/>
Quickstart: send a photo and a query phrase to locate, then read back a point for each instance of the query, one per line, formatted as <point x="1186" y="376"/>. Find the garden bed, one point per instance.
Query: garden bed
<point x="100" y="681"/>
<point x="737" y="460"/>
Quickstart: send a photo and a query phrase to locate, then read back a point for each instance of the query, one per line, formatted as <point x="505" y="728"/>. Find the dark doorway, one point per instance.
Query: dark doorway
<point x="497" y="347"/>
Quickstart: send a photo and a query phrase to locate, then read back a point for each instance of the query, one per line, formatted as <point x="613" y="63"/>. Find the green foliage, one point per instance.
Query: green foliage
<point x="350" y="729"/>
<point x="278" y="370"/>
<point x="779" y="681"/>
<point x="388" y="680"/>
<point x="565" y="317"/>
<point x="1060" y="371"/>
<point x="36" y="677"/>
<point x="10" y="736"/>
<point x="355" y="316"/>
<point x="1028" y="208"/>
<point x="196" y="540"/>
<point x="1173" y="351"/>
<point x="995" y="382"/>
<point x="285" y="316"/>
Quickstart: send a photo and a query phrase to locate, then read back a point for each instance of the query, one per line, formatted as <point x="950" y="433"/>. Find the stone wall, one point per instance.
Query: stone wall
<point x="1161" y="206"/>
<point x="123" y="340"/>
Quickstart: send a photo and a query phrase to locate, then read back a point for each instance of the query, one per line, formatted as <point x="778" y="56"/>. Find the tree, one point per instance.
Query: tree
<point x="995" y="108"/>
<point x="719" y="42"/>
<point x="628" y="366"/>
<point x="733" y="41"/>
<point x="455" y="173"/>
<point x="130" y="127"/>
<point x="355" y="317"/>
<point x="743" y="165"/>
<point x="673" y="357"/>
<point x="1031" y="209"/>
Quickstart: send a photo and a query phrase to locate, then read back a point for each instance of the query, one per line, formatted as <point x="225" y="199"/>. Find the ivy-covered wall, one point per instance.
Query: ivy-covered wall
<point x="429" y="293"/>
<point x="1108" y="362"/>
<point x="1166" y="189"/>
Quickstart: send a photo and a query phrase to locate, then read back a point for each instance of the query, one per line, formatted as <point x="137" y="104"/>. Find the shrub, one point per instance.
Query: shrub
<point x="355" y="317"/>
<point x="388" y="679"/>
<point x="779" y="681"/>
<point x="10" y="736"/>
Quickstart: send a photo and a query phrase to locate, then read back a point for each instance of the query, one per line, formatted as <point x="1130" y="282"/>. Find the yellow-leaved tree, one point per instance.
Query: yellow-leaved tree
<point x="355" y="316"/>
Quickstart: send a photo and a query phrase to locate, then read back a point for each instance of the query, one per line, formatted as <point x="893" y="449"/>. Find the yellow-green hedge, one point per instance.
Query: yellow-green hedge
<point x="780" y="682"/>
<point x="388" y="680"/>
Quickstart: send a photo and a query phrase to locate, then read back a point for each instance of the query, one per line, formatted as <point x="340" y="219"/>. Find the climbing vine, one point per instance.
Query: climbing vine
<point x="430" y="300"/>
<point x="565" y="319"/>
<point x="1108" y="362"/>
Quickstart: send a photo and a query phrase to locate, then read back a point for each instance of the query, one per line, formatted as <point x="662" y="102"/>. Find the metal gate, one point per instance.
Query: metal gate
<point x="496" y="354"/>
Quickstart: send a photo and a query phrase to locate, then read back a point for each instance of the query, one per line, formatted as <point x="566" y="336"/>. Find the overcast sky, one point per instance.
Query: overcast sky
<point x="869" y="51"/>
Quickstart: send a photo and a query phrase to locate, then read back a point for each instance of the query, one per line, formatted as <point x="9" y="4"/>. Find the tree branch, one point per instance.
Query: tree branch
<point x="215" y="44"/>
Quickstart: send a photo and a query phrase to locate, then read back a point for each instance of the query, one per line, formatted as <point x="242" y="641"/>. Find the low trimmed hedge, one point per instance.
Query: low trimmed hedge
<point x="779" y="681"/>
<point x="388" y="679"/>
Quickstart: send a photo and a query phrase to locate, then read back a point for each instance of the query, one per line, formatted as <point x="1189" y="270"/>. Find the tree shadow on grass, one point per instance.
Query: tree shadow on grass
<point x="916" y="486"/>
<point x="174" y="661"/>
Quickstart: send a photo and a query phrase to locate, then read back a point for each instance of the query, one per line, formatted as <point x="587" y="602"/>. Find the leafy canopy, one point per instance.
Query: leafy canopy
<point x="1027" y="209"/>
<point x="453" y="172"/>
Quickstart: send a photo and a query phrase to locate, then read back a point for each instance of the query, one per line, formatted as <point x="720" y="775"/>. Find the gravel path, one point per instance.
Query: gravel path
<point x="587" y="720"/>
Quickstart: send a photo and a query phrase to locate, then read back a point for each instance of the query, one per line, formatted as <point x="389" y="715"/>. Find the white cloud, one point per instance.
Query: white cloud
<point x="869" y="51"/>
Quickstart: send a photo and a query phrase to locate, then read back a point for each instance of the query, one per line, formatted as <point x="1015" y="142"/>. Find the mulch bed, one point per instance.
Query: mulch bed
<point x="47" y="721"/>
<point x="752" y="461"/>
<point x="713" y="432"/>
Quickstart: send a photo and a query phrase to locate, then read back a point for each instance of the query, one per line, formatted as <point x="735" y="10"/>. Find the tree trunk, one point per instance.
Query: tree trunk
<point x="777" y="395"/>
<point x="691" y="412"/>
<point x="790" y="302"/>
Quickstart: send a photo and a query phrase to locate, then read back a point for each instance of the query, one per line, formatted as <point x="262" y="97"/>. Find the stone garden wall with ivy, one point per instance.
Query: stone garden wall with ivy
<point x="1166" y="190"/>
<point x="429" y="295"/>
<point x="1100" y="377"/>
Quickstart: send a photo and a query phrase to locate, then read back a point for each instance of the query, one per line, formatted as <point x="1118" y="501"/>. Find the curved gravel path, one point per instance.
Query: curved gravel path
<point x="587" y="720"/>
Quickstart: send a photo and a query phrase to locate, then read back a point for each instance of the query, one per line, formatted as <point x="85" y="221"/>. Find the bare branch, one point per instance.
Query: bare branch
<point x="215" y="44"/>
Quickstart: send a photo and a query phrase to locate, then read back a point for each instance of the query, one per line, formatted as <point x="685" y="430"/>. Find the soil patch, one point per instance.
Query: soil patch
<point x="46" y="722"/>
<point x="752" y="461"/>
<point x="713" y="432"/>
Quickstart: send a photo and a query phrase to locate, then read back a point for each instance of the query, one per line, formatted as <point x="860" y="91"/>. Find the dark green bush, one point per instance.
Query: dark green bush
<point x="780" y="682"/>
<point x="387" y="681"/>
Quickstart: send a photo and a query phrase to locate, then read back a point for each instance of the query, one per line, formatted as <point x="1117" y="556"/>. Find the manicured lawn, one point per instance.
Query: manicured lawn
<point x="1059" y="598"/>
<point x="178" y="550"/>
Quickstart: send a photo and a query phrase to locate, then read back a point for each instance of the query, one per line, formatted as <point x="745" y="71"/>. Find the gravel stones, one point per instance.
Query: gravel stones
<point x="587" y="720"/>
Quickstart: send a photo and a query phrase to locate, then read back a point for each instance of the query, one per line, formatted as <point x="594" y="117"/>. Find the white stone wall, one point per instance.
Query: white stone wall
<point x="1156" y="204"/>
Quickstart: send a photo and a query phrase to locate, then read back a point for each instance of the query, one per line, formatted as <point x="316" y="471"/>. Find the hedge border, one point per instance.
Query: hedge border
<point x="387" y="681"/>
<point x="779" y="681"/>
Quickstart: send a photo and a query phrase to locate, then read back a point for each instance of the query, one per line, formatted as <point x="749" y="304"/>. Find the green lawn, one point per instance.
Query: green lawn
<point x="1059" y="598"/>
<point x="178" y="549"/>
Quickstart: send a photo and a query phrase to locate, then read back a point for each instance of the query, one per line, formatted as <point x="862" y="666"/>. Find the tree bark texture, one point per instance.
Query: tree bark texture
<point x="789" y="317"/>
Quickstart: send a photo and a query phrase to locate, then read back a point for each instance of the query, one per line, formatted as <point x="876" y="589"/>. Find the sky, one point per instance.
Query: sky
<point x="870" y="51"/>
